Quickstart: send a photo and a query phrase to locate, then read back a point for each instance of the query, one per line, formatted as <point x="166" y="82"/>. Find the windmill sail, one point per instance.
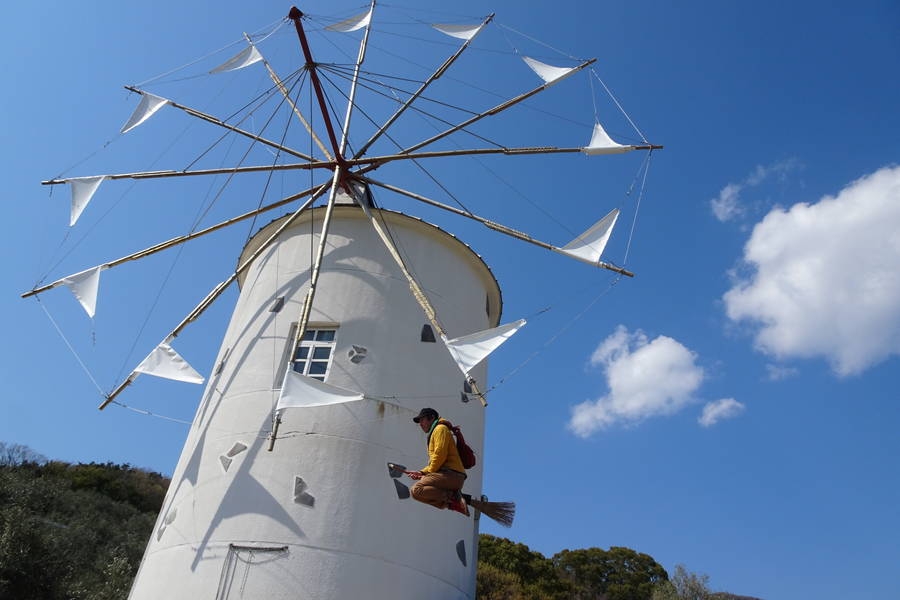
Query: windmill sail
<point x="298" y="391"/>
<point x="601" y="143"/>
<point x="244" y="58"/>
<point x="548" y="73"/>
<point x="148" y="105"/>
<point x="166" y="363"/>
<point x="463" y="32"/>
<point x="589" y="246"/>
<point x="352" y="24"/>
<point x="83" y="189"/>
<point x="84" y="285"/>
<point x="469" y="350"/>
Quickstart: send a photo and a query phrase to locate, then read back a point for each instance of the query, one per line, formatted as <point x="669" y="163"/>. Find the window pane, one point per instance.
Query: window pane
<point x="318" y="367"/>
<point x="302" y="352"/>
<point x="322" y="352"/>
<point x="309" y="334"/>
<point x="299" y="366"/>
<point x="325" y="335"/>
<point x="319" y="378"/>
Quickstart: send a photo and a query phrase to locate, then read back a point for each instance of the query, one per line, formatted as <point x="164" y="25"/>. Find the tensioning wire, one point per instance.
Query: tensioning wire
<point x="277" y="25"/>
<point x="196" y="223"/>
<point x="69" y="345"/>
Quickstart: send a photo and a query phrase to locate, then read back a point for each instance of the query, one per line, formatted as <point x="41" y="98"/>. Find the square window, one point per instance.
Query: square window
<point x="312" y="356"/>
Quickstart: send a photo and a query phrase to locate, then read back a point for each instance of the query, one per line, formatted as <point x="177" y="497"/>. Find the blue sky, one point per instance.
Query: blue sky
<point x="766" y="251"/>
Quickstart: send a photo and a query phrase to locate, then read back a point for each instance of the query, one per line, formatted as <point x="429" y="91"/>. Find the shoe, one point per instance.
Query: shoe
<point x="457" y="504"/>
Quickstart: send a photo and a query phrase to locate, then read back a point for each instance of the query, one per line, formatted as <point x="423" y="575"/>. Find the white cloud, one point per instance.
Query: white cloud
<point x="645" y="379"/>
<point x="727" y="206"/>
<point x="826" y="280"/>
<point x="779" y="372"/>
<point x="713" y="412"/>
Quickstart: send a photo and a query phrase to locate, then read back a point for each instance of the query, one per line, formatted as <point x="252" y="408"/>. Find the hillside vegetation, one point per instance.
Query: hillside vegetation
<point x="72" y="532"/>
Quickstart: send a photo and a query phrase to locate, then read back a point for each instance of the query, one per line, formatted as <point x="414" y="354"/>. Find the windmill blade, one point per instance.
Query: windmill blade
<point x="503" y="228"/>
<point x="217" y="291"/>
<point x="493" y="111"/>
<point x="339" y="169"/>
<point x="284" y="92"/>
<point x="414" y="286"/>
<point x="220" y="123"/>
<point x="222" y="171"/>
<point x="434" y="76"/>
<point x="187" y="237"/>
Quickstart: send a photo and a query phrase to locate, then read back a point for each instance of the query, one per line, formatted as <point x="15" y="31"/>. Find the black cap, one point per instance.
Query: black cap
<point x="426" y="412"/>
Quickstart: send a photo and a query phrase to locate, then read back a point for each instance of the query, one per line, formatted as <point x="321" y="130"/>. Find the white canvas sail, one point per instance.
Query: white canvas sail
<point x="589" y="246"/>
<point x="83" y="189"/>
<point x="244" y="58"/>
<point x="463" y="32"/>
<point x="601" y="143"/>
<point x="548" y="73"/>
<point x="165" y="362"/>
<point x="469" y="350"/>
<point x="148" y="105"/>
<point x="352" y="24"/>
<point x="84" y="286"/>
<point x="298" y="391"/>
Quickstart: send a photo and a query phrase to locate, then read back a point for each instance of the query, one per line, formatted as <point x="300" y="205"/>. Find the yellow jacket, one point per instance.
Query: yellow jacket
<point x="442" y="452"/>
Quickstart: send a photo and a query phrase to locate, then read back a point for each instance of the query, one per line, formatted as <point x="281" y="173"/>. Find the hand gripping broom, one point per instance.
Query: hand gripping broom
<point x="501" y="512"/>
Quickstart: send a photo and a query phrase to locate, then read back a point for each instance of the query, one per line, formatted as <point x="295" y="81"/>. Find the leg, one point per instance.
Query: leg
<point x="436" y="489"/>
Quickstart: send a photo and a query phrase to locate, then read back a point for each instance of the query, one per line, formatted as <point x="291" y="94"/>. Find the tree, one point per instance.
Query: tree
<point x="73" y="532"/>
<point x="616" y="574"/>
<point x="684" y="585"/>
<point x="495" y="584"/>
<point x="535" y="573"/>
<point x="17" y="454"/>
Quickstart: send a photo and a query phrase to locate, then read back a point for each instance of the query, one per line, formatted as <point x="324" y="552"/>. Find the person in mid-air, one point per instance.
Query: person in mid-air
<point x="439" y="483"/>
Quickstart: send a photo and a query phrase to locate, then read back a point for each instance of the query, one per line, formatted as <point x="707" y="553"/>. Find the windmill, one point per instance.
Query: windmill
<point x="287" y="484"/>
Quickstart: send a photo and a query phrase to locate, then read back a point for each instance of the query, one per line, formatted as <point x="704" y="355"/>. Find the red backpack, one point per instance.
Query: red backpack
<point x="466" y="454"/>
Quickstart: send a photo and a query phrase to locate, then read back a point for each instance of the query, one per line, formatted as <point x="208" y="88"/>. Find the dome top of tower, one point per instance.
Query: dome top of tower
<point x="351" y="211"/>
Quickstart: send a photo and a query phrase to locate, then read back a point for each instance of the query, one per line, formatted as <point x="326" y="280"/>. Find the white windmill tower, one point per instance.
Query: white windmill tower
<point x="349" y="319"/>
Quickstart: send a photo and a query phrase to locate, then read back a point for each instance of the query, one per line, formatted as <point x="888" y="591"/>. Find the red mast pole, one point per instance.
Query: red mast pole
<point x="295" y="15"/>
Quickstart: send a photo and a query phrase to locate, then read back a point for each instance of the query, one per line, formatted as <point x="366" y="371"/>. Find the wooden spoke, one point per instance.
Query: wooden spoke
<point x="284" y="91"/>
<point x="492" y="111"/>
<point x="220" y="123"/>
<point x="186" y="238"/>
<point x="250" y="169"/>
<point x="488" y="223"/>
<point x="440" y="71"/>
<point x="221" y="287"/>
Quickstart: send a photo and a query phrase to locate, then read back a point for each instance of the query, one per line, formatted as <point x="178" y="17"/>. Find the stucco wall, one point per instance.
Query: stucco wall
<point x="351" y="534"/>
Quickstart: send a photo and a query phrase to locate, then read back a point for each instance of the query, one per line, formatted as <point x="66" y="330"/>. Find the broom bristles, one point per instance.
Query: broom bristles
<point x="501" y="512"/>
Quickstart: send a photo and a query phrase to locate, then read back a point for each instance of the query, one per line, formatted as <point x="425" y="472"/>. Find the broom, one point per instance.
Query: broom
<point x="501" y="512"/>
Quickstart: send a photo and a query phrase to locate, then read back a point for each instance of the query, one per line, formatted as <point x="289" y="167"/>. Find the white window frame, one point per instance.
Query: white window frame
<point x="311" y="339"/>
